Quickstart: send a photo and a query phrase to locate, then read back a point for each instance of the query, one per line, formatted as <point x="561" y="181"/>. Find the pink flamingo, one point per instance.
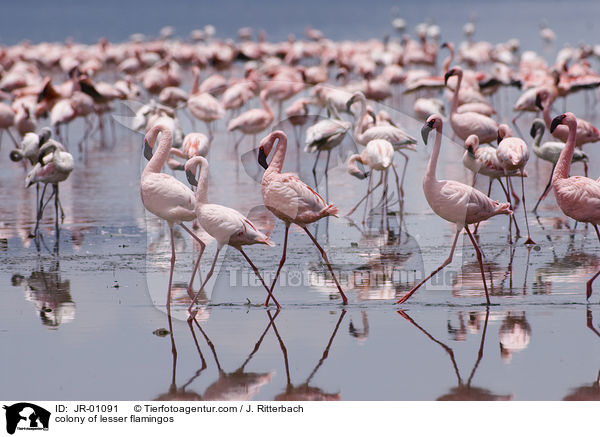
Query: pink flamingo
<point x="163" y="195"/>
<point x="226" y="225"/>
<point x="455" y="202"/>
<point x="290" y="199"/>
<point x="467" y="123"/>
<point x="254" y="120"/>
<point x="195" y="143"/>
<point x="577" y="196"/>
<point x="204" y="106"/>
<point x="513" y="155"/>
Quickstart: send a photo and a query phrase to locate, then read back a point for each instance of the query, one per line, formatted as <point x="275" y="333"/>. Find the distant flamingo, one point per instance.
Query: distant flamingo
<point x="224" y="224"/>
<point x="513" y="155"/>
<point x="254" y="120"/>
<point x="290" y="199"/>
<point x="577" y="196"/>
<point x="163" y="195"/>
<point x="455" y="202"/>
<point x="195" y="143"/>
<point x="550" y="151"/>
<point x="467" y="123"/>
<point x="204" y="106"/>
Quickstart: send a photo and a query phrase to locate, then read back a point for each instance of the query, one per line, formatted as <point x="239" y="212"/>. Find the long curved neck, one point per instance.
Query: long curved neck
<point x="454" y="106"/>
<point x="432" y="165"/>
<point x="202" y="188"/>
<point x="448" y="61"/>
<point x="564" y="162"/>
<point x="276" y="163"/>
<point x="163" y="150"/>
<point x="361" y="114"/>
<point x="537" y="140"/>
<point x="546" y="113"/>
<point x="196" y="82"/>
<point x="263" y="101"/>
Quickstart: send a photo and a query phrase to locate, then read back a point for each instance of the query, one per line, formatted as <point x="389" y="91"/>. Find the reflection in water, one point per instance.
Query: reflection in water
<point x="463" y="391"/>
<point x="304" y="391"/>
<point x="473" y="325"/>
<point x="360" y="334"/>
<point x="50" y="295"/>
<point x="515" y="334"/>
<point x="587" y="392"/>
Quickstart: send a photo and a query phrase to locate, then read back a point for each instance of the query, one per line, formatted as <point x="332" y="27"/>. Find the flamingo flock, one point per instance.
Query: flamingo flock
<point x="262" y="92"/>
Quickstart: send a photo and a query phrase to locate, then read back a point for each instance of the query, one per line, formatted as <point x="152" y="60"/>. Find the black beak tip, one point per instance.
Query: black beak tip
<point x="538" y="103"/>
<point x="557" y="120"/>
<point x="191" y="178"/>
<point x="262" y="159"/>
<point x="147" y="151"/>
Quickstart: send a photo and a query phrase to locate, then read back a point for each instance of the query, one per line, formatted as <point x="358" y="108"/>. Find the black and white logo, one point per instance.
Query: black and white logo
<point x="26" y="416"/>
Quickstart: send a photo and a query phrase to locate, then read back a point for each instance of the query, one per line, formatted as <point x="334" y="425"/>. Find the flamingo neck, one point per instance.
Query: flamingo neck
<point x="448" y="61"/>
<point x="196" y="82"/>
<point x="202" y="188"/>
<point x="454" y="106"/>
<point x="359" y="118"/>
<point x="163" y="150"/>
<point x="546" y="113"/>
<point x="561" y="171"/>
<point x="276" y="163"/>
<point x="263" y="101"/>
<point x="432" y="165"/>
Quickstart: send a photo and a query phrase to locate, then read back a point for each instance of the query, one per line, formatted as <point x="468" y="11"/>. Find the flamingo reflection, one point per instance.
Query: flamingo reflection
<point x="304" y="391"/>
<point x="587" y="392"/>
<point x="50" y="294"/>
<point x="515" y="335"/>
<point x="464" y="391"/>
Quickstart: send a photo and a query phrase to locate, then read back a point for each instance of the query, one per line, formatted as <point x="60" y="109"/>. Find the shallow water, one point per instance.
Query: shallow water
<point x="83" y="309"/>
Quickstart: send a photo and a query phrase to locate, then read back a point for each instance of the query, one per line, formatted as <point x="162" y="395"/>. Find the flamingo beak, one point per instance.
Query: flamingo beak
<point x="533" y="130"/>
<point x="262" y="158"/>
<point x="499" y="138"/>
<point x="147" y="151"/>
<point x="557" y="120"/>
<point x="349" y="104"/>
<point x="538" y="102"/>
<point x="191" y="178"/>
<point x="447" y="76"/>
<point x="471" y="151"/>
<point x="425" y="132"/>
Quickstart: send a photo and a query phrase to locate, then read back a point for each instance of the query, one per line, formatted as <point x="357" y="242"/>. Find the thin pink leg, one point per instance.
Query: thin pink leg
<point x="480" y="260"/>
<point x="324" y="255"/>
<point x="212" y="269"/>
<point x="172" y="268"/>
<point x="529" y="240"/>
<point x="444" y="264"/>
<point x="589" y="283"/>
<point x="202" y="247"/>
<point x="281" y="262"/>
<point x="257" y="273"/>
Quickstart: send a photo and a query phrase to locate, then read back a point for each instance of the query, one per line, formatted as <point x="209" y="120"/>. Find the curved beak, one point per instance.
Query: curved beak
<point x="425" y="132"/>
<point x="555" y="122"/>
<point x="349" y="104"/>
<point x="262" y="158"/>
<point x="191" y="178"/>
<point x="499" y="138"/>
<point x="538" y="102"/>
<point x="471" y="151"/>
<point x="447" y="76"/>
<point x="147" y="151"/>
<point x="533" y="131"/>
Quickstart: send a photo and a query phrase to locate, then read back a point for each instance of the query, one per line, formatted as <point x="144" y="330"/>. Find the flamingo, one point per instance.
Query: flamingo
<point x="550" y="151"/>
<point x="195" y="143"/>
<point x="226" y="225"/>
<point x="204" y="106"/>
<point x="54" y="165"/>
<point x="467" y="123"/>
<point x="513" y="155"/>
<point x="378" y="156"/>
<point x="578" y="197"/>
<point x="290" y="199"/>
<point x="163" y="195"/>
<point x="255" y="120"/>
<point x="325" y="135"/>
<point x="455" y="202"/>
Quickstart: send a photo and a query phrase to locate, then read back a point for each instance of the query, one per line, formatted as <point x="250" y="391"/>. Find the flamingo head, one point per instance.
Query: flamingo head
<point x="504" y="131"/>
<point x="266" y="145"/>
<point x="455" y="71"/>
<point x="560" y="119"/>
<point x="537" y="126"/>
<point x="472" y="144"/>
<point x="191" y="167"/>
<point x="433" y="122"/>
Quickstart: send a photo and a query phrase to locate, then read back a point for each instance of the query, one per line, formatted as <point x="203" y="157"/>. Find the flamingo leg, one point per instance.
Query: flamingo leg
<point x="444" y="264"/>
<point x="546" y="191"/>
<point x="314" y="169"/>
<point x="588" y="293"/>
<point x="529" y="240"/>
<point x="281" y="262"/>
<point x="257" y="273"/>
<point x="324" y="255"/>
<point x="398" y="189"/>
<point x="210" y="272"/>
<point x="480" y="260"/>
<point x="172" y="267"/>
<point x="197" y="263"/>
<point x="369" y="191"/>
<point x="403" y="172"/>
